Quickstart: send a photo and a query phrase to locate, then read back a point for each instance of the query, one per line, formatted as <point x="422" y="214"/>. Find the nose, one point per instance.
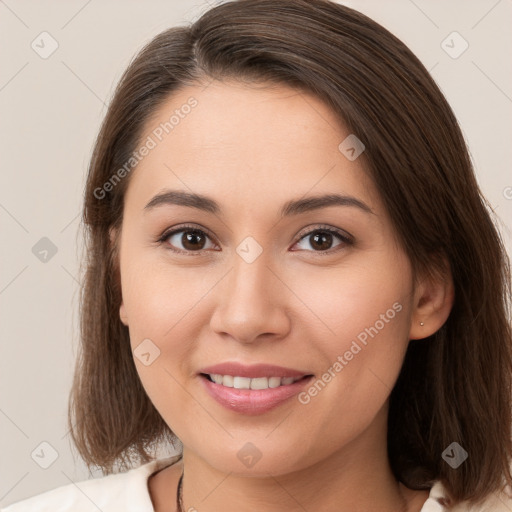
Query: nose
<point x="251" y="302"/>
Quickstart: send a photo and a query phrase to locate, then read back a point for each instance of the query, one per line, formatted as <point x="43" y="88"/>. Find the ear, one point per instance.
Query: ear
<point x="122" y="314"/>
<point x="433" y="301"/>
<point x="113" y="236"/>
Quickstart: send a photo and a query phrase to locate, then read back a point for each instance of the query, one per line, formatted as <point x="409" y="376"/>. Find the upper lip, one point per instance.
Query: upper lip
<point x="252" y="371"/>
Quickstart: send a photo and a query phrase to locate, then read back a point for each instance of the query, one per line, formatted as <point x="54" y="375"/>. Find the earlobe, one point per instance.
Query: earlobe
<point x="122" y="314"/>
<point x="112" y="232"/>
<point x="433" y="303"/>
<point x="113" y="235"/>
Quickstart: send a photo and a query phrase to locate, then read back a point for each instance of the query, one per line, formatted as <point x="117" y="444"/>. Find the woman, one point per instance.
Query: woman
<point x="293" y="274"/>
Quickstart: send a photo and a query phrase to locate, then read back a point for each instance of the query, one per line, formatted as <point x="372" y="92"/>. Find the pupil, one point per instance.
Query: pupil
<point x="323" y="237"/>
<point x="190" y="240"/>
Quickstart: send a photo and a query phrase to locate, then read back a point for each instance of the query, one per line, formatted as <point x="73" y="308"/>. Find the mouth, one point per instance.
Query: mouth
<point x="254" y="395"/>
<point x="256" y="383"/>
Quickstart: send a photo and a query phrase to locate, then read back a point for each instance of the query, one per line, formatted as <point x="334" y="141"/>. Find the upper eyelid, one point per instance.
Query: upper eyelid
<point x="324" y="227"/>
<point x="308" y="230"/>
<point x="178" y="229"/>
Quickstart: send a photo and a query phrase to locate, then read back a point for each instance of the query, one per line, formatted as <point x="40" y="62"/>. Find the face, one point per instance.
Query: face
<point x="326" y="291"/>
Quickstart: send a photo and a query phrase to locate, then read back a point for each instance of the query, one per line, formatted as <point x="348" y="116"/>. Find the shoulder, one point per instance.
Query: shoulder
<point x="497" y="502"/>
<point x="122" y="491"/>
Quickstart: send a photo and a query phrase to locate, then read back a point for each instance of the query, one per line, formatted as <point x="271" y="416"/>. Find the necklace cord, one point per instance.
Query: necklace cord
<point x="179" y="497"/>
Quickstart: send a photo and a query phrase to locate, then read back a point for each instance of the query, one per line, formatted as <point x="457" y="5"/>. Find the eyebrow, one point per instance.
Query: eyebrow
<point x="293" y="207"/>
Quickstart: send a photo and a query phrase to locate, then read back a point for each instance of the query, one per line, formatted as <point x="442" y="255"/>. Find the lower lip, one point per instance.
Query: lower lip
<point x="253" y="401"/>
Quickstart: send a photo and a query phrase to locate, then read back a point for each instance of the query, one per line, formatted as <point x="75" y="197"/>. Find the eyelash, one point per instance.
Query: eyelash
<point x="347" y="240"/>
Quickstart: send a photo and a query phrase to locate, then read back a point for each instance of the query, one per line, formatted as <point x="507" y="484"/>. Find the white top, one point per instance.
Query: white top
<point x="128" y="492"/>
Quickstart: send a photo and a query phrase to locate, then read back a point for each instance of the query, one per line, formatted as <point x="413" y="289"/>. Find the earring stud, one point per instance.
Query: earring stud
<point x="421" y="323"/>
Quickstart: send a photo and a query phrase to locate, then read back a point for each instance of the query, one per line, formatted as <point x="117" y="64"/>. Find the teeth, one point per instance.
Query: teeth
<point x="241" y="383"/>
<point x="259" y="383"/>
<point x="226" y="381"/>
<point x="274" y="382"/>
<point x="218" y="379"/>
<point x="256" y="383"/>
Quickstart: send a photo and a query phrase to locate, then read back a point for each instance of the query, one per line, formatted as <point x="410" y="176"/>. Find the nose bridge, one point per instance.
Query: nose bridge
<point x="250" y="279"/>
<point x="248" y="303"/>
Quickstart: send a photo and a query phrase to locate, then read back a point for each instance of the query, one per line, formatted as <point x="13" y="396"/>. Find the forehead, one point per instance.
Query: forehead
<point x="244" y="141"/>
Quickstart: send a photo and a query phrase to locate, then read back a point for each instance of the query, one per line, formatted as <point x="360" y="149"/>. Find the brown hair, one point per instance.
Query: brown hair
<point x="454" y="385"/>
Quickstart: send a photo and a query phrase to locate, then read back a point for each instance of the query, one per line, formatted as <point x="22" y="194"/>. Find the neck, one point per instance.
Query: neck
<point x="357" y="477"/>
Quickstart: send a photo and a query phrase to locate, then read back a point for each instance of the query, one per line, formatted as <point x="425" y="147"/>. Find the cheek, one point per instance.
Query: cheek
<point x="163" y="321"/>
<point x="360" y="327"/>
<point x="355" y="302"/>
<point x="160" y="298"/>
<point x="165" y="309"/>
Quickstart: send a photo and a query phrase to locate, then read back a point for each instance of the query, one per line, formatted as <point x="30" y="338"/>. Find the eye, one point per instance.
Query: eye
<point x="190" y="238"/>
<point x="322" y="238"/>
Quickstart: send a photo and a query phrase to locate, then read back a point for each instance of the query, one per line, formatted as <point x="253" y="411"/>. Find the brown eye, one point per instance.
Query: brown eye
<point x="186" y="240"/>
<point x="192" y="240"/>
<point x="322" y="240"/>
<point x="189" y="240"/>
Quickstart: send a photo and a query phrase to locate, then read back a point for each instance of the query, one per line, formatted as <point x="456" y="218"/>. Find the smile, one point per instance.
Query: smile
<point x="253" y="396"/>
<point x="238" y="382"/>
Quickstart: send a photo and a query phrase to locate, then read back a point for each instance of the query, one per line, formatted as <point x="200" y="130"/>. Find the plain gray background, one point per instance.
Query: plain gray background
<point x="51" y="109"/>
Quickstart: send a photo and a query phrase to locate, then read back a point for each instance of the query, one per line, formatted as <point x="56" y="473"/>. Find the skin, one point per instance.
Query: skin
<point x="252" y="149"/>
